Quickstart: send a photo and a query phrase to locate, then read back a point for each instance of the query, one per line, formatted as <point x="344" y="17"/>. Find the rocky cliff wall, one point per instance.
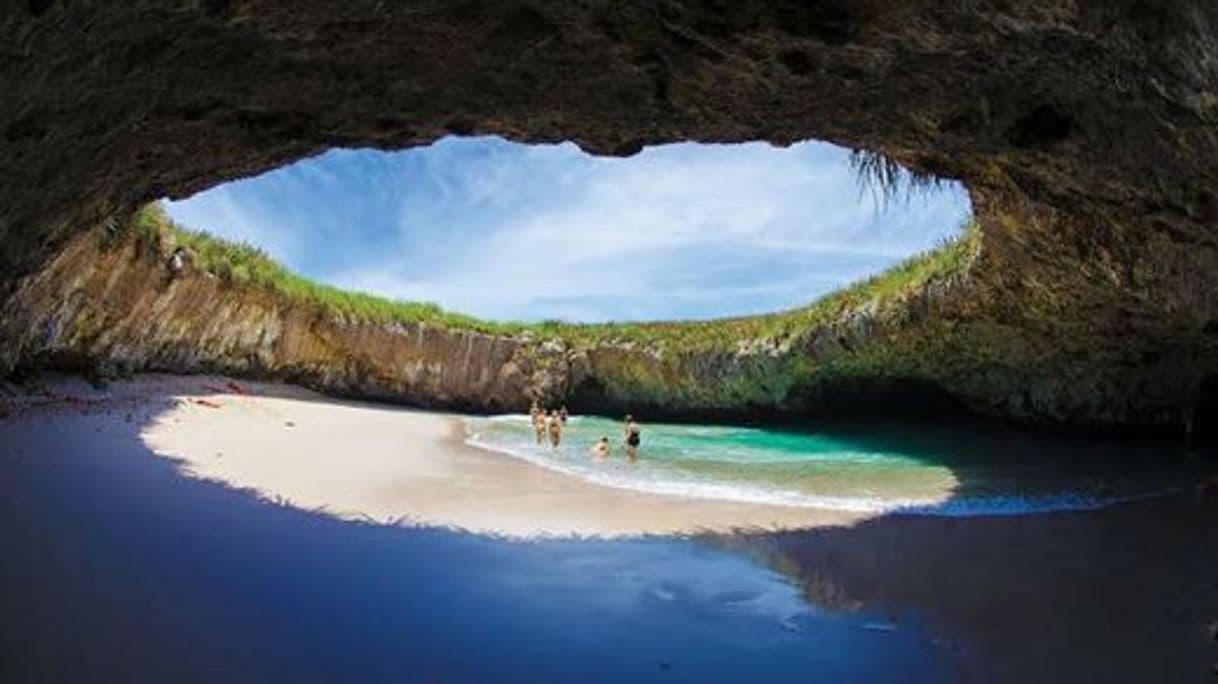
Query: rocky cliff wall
<point x="114" y="309"/>
<point x="1085" y="130"/>
<point x="1002" y="347"/>
<point x="109" y="307"/>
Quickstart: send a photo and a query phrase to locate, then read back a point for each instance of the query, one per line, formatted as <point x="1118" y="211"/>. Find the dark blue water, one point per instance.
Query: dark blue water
<point x="116" y="568"/>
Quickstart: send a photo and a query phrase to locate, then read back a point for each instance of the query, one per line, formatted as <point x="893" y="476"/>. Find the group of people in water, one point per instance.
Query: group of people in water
<point x="548" y="425"/>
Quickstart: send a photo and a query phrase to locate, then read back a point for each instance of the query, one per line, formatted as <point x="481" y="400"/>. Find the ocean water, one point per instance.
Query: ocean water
<point x="877" y="466"/>
<point x="118" y="568"/>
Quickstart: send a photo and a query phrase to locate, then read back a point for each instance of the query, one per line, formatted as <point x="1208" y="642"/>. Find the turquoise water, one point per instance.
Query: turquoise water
<point x="934" y="468"/>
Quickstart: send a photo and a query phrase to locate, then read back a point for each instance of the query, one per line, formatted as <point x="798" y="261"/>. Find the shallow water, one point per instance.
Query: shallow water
<point x="957" y="469"/>
<point x="119" y="567"/>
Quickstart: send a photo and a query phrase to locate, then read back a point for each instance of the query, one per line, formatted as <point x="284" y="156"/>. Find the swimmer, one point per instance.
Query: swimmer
<point x="600" y="450"/>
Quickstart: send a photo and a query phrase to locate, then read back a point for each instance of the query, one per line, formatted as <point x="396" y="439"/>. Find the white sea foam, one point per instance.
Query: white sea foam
<point x="700" y="490"/>
<point x="665" y="484"/>
<point x="509" y="418"/>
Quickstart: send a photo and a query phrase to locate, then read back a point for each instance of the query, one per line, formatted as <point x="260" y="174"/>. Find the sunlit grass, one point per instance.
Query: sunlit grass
<point x="243" y="265"/>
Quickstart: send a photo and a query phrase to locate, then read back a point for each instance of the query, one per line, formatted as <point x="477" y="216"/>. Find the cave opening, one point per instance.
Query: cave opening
<point x="198" y="526"/>
<point x="534" y="233"/>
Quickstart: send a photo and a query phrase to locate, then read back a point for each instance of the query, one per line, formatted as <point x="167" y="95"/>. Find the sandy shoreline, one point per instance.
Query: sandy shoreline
<point x="363" y="461"/>
<point x="124" y="564"/>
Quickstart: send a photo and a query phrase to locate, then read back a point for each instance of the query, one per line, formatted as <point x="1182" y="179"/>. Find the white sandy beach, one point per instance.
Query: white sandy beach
<point x="120" y="563"/>
<point x="387" y="464"/>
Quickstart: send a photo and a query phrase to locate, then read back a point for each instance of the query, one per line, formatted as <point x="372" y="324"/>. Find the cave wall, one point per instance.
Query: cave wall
<point x="109" y="310"/>
<point x="1087" y="106"/>
<point x="1089" y="319"/>
<point x="1085" y="130"/>
<point x="107" y="306"/>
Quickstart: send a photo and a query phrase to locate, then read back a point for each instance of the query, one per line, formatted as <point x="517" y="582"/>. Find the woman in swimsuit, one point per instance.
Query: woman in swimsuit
<point x="539" y="426"/>
<point x="555" y="429"/>
<point x="633" y="438"/>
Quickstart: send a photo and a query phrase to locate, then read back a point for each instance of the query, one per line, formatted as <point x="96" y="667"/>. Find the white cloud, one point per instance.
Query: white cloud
<point x="502" y="230"/>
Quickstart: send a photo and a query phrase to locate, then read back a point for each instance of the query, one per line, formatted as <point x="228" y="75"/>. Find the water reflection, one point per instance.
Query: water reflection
<point x="119" y="568"/>
<point x="1115" y="595"/>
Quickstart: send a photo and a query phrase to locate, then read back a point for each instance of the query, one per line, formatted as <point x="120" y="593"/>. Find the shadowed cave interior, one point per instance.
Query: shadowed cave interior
<point x="1084" y="133"/>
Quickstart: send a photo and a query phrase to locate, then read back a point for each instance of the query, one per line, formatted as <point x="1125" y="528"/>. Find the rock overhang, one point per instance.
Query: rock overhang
<point x="1086" y="131"/>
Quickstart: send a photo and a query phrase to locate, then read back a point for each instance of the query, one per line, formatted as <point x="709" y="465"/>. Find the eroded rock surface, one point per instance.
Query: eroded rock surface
<point x="1085" y="130"/>
<point x="107" y="305"/>
<point x="116" y="310"/>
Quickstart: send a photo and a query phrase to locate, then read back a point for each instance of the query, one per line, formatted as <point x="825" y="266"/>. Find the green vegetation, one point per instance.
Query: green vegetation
<point x="243" y="265"/>
<point x="949" y="260"/>
<point x="886" y="178"/>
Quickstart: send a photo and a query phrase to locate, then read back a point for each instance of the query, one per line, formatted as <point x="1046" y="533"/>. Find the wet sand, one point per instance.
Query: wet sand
<point x="119" y="566"/>
<point x="362" y="461"/>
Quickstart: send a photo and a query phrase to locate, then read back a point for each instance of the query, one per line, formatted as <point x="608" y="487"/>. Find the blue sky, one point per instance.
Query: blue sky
<point x="529" y="232"/>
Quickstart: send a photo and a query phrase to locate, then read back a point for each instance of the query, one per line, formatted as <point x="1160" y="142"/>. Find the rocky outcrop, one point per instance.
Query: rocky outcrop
<point x="109" y="306"/>
<point x="1086" y="132"/>
<point x="115" y="310"/>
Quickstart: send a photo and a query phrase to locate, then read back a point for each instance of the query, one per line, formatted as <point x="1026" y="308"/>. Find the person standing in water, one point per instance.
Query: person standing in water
<point x="539" y="426"/>
<point x="555" y="429"/>
<point x="632" y="438"/>
<point x="562" y="413"/>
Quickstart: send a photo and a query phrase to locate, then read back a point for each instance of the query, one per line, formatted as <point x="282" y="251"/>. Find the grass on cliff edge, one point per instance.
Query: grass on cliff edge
<point x="243" y="265"/>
